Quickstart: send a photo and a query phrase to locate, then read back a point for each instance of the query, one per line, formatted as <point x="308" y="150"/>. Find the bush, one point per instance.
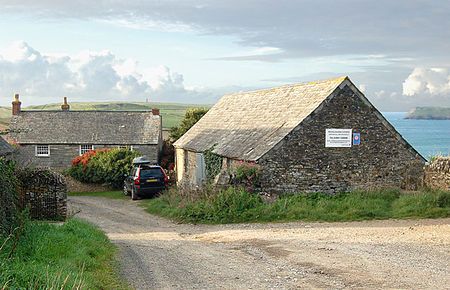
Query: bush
<point x="168" y="156"/>
<point x="209" y="205"/>
<point x="248" y="174"/>
<point x="8" y="197"/>
<point x="105" y="166"/>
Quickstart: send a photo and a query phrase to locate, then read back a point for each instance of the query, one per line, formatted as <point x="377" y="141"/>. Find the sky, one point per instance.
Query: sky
<point x="396" y="52"/>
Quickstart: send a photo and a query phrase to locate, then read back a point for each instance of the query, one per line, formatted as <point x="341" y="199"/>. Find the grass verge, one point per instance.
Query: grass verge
<point x="75" y="255"/>
<point x="235" y="206"/>
<point x="117" y="194"/>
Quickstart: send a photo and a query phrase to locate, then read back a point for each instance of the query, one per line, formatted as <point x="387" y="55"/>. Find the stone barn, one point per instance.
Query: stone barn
<point x="53" y="139"/>
<point x="315" y="137"/>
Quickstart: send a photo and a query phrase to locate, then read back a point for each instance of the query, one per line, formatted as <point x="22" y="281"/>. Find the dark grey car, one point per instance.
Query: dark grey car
<point x="145" y="179"/>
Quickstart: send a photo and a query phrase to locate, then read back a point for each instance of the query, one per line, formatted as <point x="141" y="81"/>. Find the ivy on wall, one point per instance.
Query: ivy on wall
<point x="213" y="164"/>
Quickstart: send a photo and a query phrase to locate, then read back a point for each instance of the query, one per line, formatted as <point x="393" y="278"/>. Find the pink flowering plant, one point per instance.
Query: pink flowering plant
<point x="182" y="204"/>
<point x="248" y="174"/>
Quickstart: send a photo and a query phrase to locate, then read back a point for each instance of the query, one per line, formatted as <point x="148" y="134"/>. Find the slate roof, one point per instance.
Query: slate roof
<point x="5" y="148"/>
<point x="247" y="125"/>
<point x="85" y="127"/>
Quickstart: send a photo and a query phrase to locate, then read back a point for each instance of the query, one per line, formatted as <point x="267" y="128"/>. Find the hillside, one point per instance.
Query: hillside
<point x="5" y="115"/>
<point x="171" y="113"/>
<point x="429" y="113"/>
<point x="5" y="112"/>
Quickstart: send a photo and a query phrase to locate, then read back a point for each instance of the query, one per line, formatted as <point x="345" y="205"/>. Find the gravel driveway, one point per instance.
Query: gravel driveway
<point x="157" y="253"/>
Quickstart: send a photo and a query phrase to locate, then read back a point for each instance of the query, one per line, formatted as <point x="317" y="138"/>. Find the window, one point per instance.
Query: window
<point x="151" y="172"/>
<point x="86" y="148"/>
<point x="42" y="150"/>
<point x="130" y="147"/>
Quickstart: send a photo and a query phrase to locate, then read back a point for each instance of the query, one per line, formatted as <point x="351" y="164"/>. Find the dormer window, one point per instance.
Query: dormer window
<point x="86" y="148"/>
<point x="42" y="150"/>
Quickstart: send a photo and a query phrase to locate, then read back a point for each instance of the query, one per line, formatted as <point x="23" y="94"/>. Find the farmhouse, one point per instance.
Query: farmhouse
<point x="320" y="136"/>
<point x="53" y="139"/>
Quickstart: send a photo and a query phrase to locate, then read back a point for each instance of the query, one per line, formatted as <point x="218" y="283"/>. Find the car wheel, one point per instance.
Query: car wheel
<point x="133" y="194"/>
<point x="125" y="190"/>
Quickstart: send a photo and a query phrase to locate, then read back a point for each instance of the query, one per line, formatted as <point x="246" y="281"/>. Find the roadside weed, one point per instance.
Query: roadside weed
<point x="211" y="205"/>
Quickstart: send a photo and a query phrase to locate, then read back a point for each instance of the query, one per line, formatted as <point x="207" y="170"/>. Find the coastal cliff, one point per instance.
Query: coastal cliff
<point x="429" y="113"/>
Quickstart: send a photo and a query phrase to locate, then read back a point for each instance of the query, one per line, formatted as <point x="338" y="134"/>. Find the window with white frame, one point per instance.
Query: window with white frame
<point x="130" y="147"/>
<point x="86" y="148"/>
<point x="42" y="150"/>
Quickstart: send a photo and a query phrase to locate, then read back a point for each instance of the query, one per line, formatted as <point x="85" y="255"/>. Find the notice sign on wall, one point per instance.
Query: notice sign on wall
<point x="338" y="137"/>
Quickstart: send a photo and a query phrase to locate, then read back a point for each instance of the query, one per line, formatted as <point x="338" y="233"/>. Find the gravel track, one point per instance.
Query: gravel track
<point x="156" y="253"/>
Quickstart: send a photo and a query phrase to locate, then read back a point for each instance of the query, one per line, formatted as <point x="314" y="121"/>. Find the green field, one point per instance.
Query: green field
<point x="5" y="112"/>
<point x="171" y="113"/>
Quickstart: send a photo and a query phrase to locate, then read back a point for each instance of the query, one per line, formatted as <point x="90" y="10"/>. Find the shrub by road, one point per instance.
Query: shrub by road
<point x="103" y="166"/>
<point x="236" y="205"/>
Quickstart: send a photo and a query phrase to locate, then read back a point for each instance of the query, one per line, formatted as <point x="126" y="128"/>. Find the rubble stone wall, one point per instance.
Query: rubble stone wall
<point x="44" y="192"/>
<point x="302" y="163"/>
<point x="437" y="173"/>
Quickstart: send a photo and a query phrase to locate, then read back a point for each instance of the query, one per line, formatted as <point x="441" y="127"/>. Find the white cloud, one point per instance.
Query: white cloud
<point x="266" y="50"/>
<point x="87" y="76"/>
<point x="423" y="81"/>
<point x="362" y="88"/>
<point x="380" y="94"/>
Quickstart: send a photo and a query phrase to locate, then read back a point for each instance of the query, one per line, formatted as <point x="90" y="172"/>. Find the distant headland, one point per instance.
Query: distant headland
<point x="429" y="113"/>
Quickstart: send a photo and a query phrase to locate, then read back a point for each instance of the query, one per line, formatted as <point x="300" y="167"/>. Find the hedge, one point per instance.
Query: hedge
<point x="8" y="197"/>
<point x="103" y="166"/>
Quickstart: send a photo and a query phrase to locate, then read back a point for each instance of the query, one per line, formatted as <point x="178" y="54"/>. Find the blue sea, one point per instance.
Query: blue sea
<point x="428" y="137"/>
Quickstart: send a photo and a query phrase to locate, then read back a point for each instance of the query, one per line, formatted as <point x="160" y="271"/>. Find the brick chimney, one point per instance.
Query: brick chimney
<point x="155" y="111"/>
<point x="16" y="105"/>
<point x="65" y="106"/>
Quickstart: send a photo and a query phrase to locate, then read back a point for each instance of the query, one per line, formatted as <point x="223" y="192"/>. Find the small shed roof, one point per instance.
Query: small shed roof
<point x="247" y="125"/>
<point x="5" y="148"/>
<point x="85" y="127"/>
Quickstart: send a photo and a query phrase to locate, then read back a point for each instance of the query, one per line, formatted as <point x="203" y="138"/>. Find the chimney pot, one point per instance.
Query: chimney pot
<point x="155" y="111"/>
<point x="16" y="105"/>
<point x="65" y="106"/>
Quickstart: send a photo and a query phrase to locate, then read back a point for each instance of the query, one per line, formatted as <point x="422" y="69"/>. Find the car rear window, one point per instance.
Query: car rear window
<point x="151" y="172"/>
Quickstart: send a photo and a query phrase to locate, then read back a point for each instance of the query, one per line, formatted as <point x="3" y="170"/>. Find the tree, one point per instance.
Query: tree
<point x="191" y="116"/>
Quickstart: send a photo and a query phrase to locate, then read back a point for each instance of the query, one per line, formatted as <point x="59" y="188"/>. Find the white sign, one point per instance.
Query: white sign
<point x="338" y="137"/>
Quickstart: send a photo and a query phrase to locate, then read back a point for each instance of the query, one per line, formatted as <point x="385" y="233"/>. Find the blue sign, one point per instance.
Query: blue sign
<point x="356" y="139"/>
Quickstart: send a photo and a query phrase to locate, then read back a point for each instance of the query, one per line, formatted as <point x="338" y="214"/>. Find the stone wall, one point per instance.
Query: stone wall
<point x="61" y="156"/>
<point x="302" y="163"/>
<point x="44" y="192"/>
<point x="437" y="173"/>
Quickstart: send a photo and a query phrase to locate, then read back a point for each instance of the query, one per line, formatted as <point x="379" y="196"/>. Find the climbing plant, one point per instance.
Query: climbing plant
<point x="213" y="163"/>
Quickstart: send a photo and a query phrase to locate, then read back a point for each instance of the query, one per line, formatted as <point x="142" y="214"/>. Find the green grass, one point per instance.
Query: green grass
<point x="234" y="206"/>
<point x="118" y="194"/>
<point x="48" y="256"/>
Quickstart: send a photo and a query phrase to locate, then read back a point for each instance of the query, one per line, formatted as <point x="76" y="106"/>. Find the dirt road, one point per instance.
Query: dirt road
<point x="156" y="253"/>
